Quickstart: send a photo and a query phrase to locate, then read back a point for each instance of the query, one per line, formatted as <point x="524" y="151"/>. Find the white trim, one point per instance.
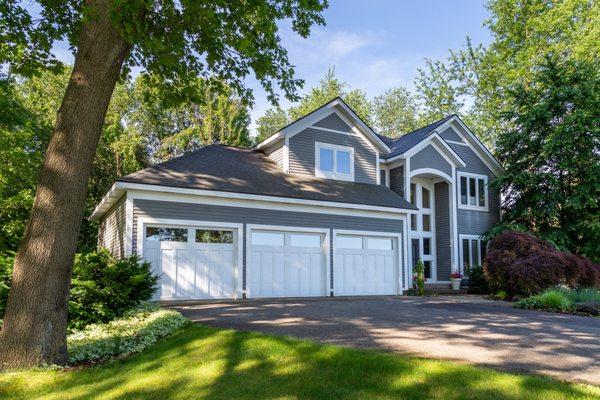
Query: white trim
<point x="245" y="200"/>
<point x="128" y="224"/>
<point x="407" y="268"/>
<point x="489" y="160"/>
<point x="286" y="155"/>
<point x="440" y="145"/>
<point x="454" y="214"/>
<point x="459" y="143"/>
<point x="309" y="119"/>
<point x="142" y="222"/>
<point x="431" y="171"/>
<point x="477" y="177"/>
<point x="320" y="128"/>
<point x="333" y="174"/>
<point x="290" y="229"/>
<point x="378" y="170"/>
<point x="399" y="252"/>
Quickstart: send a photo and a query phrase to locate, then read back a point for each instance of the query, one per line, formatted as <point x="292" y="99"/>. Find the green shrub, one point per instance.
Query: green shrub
<point x="559" y="299"/>
<point x="583" y="295"/>
<point x="554" y="300"/>
<point x="478" y="283"/>
<point x="137" y="330"/>
<point x="104" y="288"/>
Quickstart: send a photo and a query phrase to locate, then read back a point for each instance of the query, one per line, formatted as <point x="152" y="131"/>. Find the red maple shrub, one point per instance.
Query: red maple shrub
<point x="521" y="264"/>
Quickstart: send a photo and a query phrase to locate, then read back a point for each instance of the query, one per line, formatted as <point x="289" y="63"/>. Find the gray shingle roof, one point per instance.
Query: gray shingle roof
<point x="407" y="141"/>
<point x="232" y="169"/>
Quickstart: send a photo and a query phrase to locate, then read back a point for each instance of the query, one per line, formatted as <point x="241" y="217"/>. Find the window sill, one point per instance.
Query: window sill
<point x="333" y="175"/>
<point x="473" y="208"/>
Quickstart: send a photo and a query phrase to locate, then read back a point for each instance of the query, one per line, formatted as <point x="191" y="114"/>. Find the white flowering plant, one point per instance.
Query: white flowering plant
<point x="137" y="330"/>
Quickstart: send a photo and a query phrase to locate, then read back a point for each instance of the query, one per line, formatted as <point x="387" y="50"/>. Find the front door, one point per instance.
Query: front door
<point x="422" y="226"/>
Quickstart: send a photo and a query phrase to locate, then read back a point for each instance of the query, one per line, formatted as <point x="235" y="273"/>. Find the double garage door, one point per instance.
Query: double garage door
<point x="206" y="262"/>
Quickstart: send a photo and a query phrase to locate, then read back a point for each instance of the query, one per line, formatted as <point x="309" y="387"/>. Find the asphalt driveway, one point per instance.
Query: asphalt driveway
<point x="462" y="328"/>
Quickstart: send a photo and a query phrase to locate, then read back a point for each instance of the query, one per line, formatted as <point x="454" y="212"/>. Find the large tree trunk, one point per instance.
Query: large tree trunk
<point x="34" y="331"/>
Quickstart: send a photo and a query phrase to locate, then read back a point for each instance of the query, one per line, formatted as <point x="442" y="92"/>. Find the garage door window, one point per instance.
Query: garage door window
<point x="166" y="234"/>
<point x="267" y="238"/>
<point x="349" y="242"/>
<point x="304" y="240"/>
<point x="380" y="244"/>
<point x="214" y="236"/>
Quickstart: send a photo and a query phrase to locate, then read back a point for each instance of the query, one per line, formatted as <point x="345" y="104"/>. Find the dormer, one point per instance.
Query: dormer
<point x="331" y="142"/>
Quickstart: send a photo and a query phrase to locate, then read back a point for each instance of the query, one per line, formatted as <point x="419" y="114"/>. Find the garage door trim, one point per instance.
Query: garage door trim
<point x="399" y="252"/>
<point x="142" y="223"/>
<point x="282" y="228"/>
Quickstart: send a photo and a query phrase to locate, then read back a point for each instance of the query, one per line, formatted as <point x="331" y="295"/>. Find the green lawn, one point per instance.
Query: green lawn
<point x="202" y="362"/>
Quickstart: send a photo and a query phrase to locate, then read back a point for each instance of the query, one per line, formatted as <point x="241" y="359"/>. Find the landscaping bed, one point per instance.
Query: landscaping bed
<point x="137" y="330"/>
<point x="581" y="301"/>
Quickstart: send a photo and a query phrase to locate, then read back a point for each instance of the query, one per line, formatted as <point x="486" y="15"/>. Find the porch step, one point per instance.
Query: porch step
<point x="444" y="291"/>
<point x="443" y="288"/>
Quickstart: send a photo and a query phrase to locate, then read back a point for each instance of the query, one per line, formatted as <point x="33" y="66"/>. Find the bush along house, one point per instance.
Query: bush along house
<point x="324" y="207"/>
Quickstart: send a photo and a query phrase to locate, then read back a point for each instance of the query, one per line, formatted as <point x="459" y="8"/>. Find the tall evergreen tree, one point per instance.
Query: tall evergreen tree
<point x="552" y="155"/>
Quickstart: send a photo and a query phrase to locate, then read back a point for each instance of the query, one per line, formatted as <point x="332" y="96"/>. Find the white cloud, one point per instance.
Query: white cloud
<point x="344" y="43"/>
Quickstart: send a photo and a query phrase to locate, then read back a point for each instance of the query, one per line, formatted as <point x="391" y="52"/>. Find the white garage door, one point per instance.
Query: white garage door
<point x="286" y="264"/>
<point x="193" y="263"/>
<point x="365" y="265"/>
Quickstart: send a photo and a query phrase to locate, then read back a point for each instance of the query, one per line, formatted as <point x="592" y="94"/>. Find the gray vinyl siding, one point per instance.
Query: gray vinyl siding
<point x="429" y="157"/>
<point x="475" y="222"/>
<point x="275" y="153"/>
<point x="111" y="231"/>
<point x="333" y="121"/>
<point x="442" y="231"/>
<point x="202" y="212"/>
<point x="397" y="180"/>
<point x="302" y="153"/>
<point x="450" y="134"/>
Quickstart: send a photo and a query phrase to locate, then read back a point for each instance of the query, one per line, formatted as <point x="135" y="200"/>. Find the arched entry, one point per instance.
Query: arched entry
<point x="431" y="229"/>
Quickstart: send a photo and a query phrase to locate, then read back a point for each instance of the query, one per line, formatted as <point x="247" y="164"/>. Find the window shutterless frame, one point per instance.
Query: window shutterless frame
<point x="473" y="193"/>
<point x="472" y="251"/>
<point x="339" y="153"/>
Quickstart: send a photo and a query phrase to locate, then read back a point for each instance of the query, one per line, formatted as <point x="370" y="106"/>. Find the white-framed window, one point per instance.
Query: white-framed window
<point x="334" y="162"/>
<point x="473" y="250"/>
<point x="473" y="191"/>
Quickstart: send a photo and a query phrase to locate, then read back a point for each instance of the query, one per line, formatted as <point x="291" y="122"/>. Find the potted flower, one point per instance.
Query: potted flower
<point x="456" y="279"/>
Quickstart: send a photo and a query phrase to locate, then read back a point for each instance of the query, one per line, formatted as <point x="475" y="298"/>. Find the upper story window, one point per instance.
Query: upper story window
<point x="334" y="162"/>
<point x="473" y="191"/>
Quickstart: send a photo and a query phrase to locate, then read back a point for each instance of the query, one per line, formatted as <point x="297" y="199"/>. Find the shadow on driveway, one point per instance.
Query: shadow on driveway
<point x="465" y="328"/>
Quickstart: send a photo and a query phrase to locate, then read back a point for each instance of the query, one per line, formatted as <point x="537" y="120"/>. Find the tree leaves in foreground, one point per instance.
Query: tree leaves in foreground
<point x="552" y="155"/>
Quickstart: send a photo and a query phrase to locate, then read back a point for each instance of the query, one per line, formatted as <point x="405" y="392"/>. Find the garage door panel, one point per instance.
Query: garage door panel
<point x="293" y="268"/>
<point x="192" y="265"/>
<point x="184" y="271"/>
<point x="368" y="268"/>
<point x="169" y="276"/>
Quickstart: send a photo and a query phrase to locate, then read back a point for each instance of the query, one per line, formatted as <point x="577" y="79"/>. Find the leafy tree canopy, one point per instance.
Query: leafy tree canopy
<point x="552" y="155"/>
<point x="175" y="41"/>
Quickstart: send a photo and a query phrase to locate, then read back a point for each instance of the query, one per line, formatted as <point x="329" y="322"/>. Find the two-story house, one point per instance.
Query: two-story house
<point x="324" y="207"/>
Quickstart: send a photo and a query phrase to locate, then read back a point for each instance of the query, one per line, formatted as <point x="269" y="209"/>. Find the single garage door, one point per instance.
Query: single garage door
<point x="365" y="265"/>
<point x="193" y="263"/>
<point x="286" y="264"/>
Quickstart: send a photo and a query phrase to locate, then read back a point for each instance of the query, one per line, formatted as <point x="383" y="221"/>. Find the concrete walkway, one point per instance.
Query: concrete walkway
<point x="465" y="328"/>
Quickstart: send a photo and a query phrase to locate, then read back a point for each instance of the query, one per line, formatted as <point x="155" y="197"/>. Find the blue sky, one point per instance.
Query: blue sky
<point x="375" y="45"/>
